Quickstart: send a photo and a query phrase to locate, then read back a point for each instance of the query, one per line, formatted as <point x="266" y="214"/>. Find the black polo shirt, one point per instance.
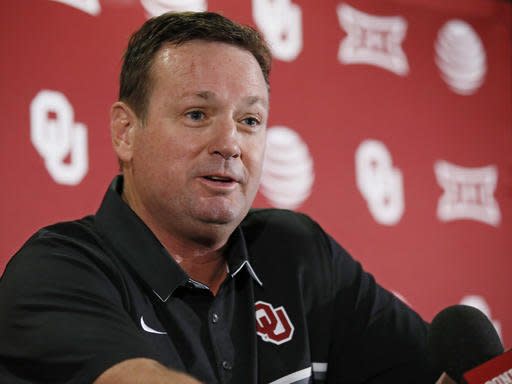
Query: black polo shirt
<point x="82" y="296"/>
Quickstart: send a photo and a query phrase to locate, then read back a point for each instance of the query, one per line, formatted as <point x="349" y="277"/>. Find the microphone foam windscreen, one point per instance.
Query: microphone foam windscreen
<point x="460" y="338"/>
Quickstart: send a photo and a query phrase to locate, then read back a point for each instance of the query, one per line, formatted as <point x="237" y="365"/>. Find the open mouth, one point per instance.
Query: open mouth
<point x="219" y="179"/>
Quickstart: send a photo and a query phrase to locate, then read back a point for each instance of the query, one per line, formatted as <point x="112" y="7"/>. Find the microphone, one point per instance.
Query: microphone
<point x="463" y="343"/>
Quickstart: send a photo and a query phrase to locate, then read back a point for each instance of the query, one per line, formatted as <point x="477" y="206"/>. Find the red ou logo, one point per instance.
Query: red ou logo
<point x="273" y="325"/>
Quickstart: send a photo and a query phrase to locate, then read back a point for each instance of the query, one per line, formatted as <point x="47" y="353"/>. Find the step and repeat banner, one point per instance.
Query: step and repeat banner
<point x="390" y="124"/>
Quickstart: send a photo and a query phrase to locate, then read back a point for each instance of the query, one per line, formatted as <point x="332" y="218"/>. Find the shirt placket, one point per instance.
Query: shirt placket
<point x="219" y="325"/>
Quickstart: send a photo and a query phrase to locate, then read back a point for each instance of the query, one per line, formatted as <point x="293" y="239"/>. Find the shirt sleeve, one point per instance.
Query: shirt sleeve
<point x="62" y="318"/>
<point x="376" y="337"/>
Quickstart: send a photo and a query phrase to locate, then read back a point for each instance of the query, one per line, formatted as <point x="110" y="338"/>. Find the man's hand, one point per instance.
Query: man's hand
<point x="147" y="371"/>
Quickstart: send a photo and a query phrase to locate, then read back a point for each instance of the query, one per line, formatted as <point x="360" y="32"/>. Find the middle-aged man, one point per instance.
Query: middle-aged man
<point x="175" y="280"/>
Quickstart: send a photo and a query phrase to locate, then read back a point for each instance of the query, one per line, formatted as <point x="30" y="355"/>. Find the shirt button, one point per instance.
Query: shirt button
<point x="215" y="318"/>
<point x="226" y="365"/>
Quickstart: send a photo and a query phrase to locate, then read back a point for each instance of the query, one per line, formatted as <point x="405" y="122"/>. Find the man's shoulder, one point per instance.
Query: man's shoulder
<point x="61" y="244"/>
<point x="278" y="228"/>
<point x="282" y="220"/>
<point x="80" y="232"/>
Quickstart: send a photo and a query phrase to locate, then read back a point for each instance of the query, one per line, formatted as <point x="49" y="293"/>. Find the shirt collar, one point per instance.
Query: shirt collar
<point x="238" y="257"/>
<point x="134" y="243"/>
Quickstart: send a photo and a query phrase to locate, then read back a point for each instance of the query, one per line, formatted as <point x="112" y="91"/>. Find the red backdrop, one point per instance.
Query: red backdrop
<point x="390" y="124"/>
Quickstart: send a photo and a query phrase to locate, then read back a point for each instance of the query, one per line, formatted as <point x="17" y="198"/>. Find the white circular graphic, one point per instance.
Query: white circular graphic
<point x="460" y="56"/>
<point x="288" y="175"/>
<point x="158" y="7"/>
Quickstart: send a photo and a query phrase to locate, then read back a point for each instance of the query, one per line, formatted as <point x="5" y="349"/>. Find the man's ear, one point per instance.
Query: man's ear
<point x="123" y="123"/>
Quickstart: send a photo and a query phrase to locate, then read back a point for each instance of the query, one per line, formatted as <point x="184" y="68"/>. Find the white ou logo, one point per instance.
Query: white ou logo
<point x="379" y="182"/>
<point x="480" y="303"/>
<point x="287" y="176"/>
<point x="460" y="56"/>
<point x="55" y="137"/>
<point x="281" y="23"/>
<point x="374" y="40"/>
<point x="158" y="7"/>
<point x="91" y="7"/>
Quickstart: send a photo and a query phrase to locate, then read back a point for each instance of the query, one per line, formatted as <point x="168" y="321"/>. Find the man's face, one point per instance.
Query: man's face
<point x="197" y="158"/>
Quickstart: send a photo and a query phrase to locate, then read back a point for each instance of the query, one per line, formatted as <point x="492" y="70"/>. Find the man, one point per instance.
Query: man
<point x="174" y="280"/>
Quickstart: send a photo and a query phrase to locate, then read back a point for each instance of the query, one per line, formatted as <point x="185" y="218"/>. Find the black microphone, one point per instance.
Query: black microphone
<point x="461" y="338"/>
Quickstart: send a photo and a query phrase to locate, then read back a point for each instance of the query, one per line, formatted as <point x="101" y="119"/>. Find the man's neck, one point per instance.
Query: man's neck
<point x="202" y="259"/>
<point x="211" y="273"/>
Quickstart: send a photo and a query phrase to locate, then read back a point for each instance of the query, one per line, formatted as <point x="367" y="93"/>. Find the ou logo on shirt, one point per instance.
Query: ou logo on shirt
<point x="273" y="324"/>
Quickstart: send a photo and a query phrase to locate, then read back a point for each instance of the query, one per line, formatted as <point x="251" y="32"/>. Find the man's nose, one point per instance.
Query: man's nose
<point x="225" y="139"/>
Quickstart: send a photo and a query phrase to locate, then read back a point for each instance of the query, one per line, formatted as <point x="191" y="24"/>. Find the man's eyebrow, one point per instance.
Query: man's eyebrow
<point x="202" y="94"/>
<point x="251" y="100"/>
<point x="209" y="95"/>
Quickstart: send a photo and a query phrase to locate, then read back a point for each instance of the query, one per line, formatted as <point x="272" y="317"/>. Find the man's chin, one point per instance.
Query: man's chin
<point x="222" y="215"/>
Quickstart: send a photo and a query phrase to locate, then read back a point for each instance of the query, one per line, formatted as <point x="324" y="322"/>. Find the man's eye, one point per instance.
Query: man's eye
<point x="251" y="121"/>
<point x="196" y="115"/>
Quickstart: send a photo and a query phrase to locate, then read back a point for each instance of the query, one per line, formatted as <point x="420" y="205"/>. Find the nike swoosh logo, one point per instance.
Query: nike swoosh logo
<point x="149" y="329"/>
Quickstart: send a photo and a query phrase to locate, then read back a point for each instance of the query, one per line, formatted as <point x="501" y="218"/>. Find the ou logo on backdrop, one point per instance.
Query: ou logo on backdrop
<point x="280" y="21"/>
<point x="380" y="182"/>
<point x="273" y="324"/>
<point x="55" y="135"/>
<point x="91" y="7"/>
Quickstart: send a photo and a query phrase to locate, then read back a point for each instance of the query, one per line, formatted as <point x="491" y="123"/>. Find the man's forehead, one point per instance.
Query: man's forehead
<point x="192" y="68"/>
<point x="169" y="49"/>
<point x="171" y="52"/>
